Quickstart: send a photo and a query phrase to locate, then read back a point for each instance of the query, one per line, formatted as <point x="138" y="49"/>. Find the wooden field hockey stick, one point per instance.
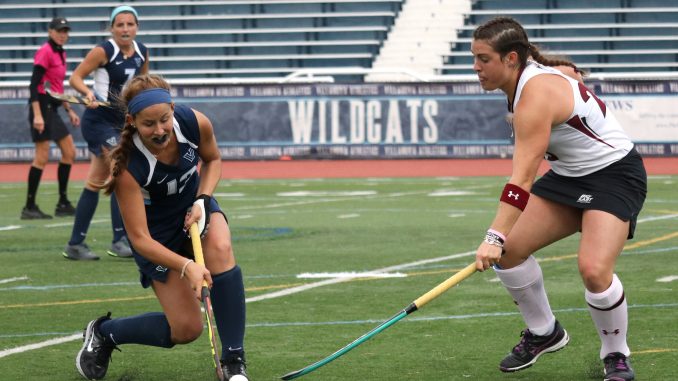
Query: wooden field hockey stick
<point x="77" y="99"/>
<point x="206" y="300"/>
<point x="418" y="303"/>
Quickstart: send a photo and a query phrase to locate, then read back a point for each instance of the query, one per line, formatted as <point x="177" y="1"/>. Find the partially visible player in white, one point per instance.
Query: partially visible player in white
<point x="596" y="186"/>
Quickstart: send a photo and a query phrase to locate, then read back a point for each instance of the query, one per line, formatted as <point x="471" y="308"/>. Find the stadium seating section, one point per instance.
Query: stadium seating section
<point x="273" y="38"/>
<point x="602" y="36"/>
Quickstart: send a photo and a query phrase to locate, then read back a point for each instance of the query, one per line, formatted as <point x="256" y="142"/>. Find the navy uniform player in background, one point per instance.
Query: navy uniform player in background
<point x="113" y="63"/>
<point x="154" y="174"/>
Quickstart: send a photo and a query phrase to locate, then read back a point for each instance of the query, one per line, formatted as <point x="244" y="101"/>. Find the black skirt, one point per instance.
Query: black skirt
<point x="618" y="189"/>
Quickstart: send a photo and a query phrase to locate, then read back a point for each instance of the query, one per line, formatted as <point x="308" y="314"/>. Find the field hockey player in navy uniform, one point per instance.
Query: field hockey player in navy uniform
<point x="597" y="186"/>
<point x="113" y="63"/>
<point x="155" y="175"/>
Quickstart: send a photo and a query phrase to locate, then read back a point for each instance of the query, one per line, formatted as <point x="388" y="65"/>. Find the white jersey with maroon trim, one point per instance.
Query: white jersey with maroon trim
<point x="590" y="140"/>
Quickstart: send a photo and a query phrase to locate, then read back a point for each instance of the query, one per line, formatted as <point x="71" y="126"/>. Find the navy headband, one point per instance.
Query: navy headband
<point x="148" y="98"/>
<point x="123" y="8"/>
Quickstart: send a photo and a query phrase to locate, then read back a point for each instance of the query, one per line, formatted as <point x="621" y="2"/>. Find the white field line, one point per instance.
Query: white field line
<point x="15" y="279"/>
<point x="297" y="289"/>
<point x="667" y="279"/>
<point x="352" y="275"/>
<point x="54" y="225"/>
<point x="47" y="343"/>
<point x="276" y="294"/>
<point x="289" y="291"/>
<point x="657" y="218"/>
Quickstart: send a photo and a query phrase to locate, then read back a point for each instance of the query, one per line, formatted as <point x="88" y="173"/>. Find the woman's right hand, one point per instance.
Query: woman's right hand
<point x="487" y="255"/>
<point x="196" y="274"/>
<point x="92" y="100"/>
<point x="38" y="123"/>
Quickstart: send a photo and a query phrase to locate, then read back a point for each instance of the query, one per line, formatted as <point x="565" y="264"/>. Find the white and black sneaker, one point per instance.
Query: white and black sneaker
<point x="234" y="365"/>
<point x="532" y="346"/>
<point x="95" y="354"/>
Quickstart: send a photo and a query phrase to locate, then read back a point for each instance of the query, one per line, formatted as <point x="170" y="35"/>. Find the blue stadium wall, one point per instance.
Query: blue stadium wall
<point x="358" y="121"/>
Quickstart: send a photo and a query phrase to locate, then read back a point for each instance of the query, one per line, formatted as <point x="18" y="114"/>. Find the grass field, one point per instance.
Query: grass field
<point x="285" y="228"/>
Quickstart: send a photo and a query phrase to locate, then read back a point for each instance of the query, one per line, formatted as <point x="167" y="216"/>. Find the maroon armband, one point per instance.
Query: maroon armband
<point x="515" y="195"/>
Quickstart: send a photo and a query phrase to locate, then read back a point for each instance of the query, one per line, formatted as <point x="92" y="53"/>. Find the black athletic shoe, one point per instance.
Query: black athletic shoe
<point x="34" y="213"/>
<point x="531" y="347"/>
<point x="95" y="354"/>
<point x="618" y="368"/>
<point x="64" y="209"/>
<point x="235" y="365"/>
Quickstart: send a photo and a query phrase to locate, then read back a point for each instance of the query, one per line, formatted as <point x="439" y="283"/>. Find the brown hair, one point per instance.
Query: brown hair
<point x="120" y="154"/>
<point x="506" y="35"/>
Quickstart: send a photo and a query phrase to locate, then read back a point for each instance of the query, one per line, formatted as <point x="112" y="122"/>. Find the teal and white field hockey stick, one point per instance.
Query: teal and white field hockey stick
<point x="420" y="302"/>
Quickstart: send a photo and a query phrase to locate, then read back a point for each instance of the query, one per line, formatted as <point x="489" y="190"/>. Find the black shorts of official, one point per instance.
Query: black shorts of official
<point x="55" y="128"/>
<point x="618" y="189"/>
<point x="149" y="271"/>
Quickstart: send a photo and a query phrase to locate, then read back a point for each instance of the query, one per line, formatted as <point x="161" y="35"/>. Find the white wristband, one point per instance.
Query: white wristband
<point x="183" y="268"/>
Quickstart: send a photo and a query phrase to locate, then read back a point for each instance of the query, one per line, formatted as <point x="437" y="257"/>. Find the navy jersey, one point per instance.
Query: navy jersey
<point x="110" y="78"/>
<point x="169" y="190"/>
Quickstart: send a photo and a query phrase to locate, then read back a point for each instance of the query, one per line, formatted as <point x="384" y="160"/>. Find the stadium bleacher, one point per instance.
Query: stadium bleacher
<point x="606" y="36"/>
<point x="211" y="39"/>
<point x="273" y="38"/>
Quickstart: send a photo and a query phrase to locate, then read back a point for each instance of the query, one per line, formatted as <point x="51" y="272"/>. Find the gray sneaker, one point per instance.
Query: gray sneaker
<point x="79" y="252"/>
<point x="120" y="248"/>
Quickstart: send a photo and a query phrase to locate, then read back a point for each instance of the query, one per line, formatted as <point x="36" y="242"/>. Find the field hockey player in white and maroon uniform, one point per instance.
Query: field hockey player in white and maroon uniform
<point x="596" y="186"/>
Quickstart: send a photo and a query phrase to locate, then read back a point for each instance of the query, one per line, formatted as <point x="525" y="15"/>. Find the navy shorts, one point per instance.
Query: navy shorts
<point x="100" y="132"/>
<point x="618" y="189"/>
<point x="150" y="271"/>
<point x="55" y="128"/>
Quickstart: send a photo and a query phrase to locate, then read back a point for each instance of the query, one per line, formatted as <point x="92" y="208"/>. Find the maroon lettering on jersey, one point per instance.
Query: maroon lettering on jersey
<point x="586" y="94"/>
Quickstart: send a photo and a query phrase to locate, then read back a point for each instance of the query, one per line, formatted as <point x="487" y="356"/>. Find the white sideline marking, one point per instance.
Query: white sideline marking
<point x="70" y="223"/>
<point x="443" y="193"/>
<point x="55" y="341"/>
<point x="667" y="279"/>
<point x="10" y="227"/>
<point x="351" y="275"/>
<point x="667" y="217"/>
<point x="8" y="280"/>
<point x="352" y="215"/>
<point x="326" y="193"/>
<point x="228" y="195"/>
<point x="294" y="290"/>
<point x="276" y="294"/>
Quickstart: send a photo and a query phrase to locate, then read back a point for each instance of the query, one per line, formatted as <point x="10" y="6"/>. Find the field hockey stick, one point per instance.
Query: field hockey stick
<point x="77" y="99"/>
<point x="206" y="300"/>
<point x="418" y="303"/>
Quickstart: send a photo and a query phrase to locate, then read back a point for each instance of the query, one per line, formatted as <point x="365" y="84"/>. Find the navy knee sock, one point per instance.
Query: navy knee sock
<point x="228" y="303"/>
<point x="116" y="220"/>
<point x="87" y="205"/>
<point x="147" y="329"/>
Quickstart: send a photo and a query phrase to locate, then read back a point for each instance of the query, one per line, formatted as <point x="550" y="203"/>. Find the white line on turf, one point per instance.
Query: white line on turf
<point x="272" y="295"/>
<point x="352" y="275"/>
<point x="351" y="215"/>
<point x="657" y="218"/>
<point x="297" y="289"/>
<point x="47" y="343"/>
<point x="15" y="279"/>
<point x="10" y="227"/>
<point x="667" y="279"/>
